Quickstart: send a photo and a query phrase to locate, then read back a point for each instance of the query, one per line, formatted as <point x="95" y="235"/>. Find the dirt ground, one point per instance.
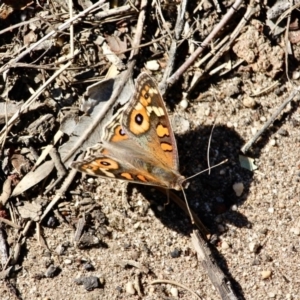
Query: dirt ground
<point x="136" y="237"/>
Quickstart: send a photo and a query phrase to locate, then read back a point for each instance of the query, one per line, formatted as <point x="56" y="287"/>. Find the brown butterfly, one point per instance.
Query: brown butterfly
<point x="138" y="144"/>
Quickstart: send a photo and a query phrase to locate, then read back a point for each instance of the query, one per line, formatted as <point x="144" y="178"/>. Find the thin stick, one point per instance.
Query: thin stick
<point x="183" y="206"/>
<point x="10" y="28"/>
<point x="113" y="11"/>
<point x="208" y="147"/>
<point x="216" y="275"/>
<point x="287" y="47"/>
<point x="10" y="223"/>
<point x="158" y="281"/>
<point x="252" y="8"/>
<point x="221" y="163"/>
<point x="172" y="51"/>
<point x="70" y="3"/>
<point x="15" y="117"/>
<point x="60" y="28"/>
<point x="193" y="57"/>
<point x="246" y="147"/>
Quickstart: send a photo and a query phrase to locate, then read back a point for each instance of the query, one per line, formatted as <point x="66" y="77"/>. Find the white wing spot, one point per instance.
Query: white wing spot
<point x="149" y="110"/>
<point x="152" y="91"/>
<point x="158" y="111"/>
<point x="161" y="111"/>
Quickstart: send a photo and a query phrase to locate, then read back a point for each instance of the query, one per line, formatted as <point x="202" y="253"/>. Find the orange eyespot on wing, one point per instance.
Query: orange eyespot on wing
<point x="139" y="120"/>
<point x="119" y="134"/>
<point x="101" y="163"/>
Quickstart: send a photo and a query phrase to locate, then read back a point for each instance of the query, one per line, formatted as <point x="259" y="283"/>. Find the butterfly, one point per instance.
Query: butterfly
<point x="138" y="143"/>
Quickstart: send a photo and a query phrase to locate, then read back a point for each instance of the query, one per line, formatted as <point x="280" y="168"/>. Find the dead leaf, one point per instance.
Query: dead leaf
<point x="29" y="38"/>
<point x="31" y="211"/>
<point x="85" y="134"/>
<point x="6" y="191"/>
<point x="33" y="177"/>
<point x="247" y="163"/>
<point x="115" y="44"/>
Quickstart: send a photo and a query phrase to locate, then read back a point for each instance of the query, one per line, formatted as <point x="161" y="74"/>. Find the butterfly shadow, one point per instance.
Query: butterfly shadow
<point x="210" y="195"/>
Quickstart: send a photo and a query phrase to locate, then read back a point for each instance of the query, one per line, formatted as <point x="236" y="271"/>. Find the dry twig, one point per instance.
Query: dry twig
<point x="204" y="44"/>
<point x="277" y="112"/>
<point x="217" y="277"/>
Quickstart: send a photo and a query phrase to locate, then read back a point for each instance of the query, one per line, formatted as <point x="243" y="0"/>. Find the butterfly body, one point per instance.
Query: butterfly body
<point x="138" y="144"/>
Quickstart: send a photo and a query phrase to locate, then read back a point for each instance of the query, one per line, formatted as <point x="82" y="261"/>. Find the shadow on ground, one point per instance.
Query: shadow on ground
<point x="210" y="195"/>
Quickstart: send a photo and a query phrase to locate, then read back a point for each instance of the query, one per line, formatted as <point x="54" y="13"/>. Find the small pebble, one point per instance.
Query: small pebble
<point x="234" y="207"/>
<point x="60" y="249"/>
<point x="218" y="219"/>
<point x="130" y="288"/>
<point x="283" y="132"/>
<point x="175" y="253"/>
<point x="207" y="112"/>
<point x="88" y="267"/>
<point x="266" y="274"/>
<point x="229" y="124"/>
<point x="256" y="262"/>
<point x="271" y="210"/>
<point x="295" y="230"/>
<point x="89" y="282"/>
<point x="23" y="16"/>
<point x="137" y="225"/>
<point x="51" y="271"/>
<point x="151" y="291"/>
<point x="238" y="188"/>
<point x="185" y="125"/>
<point x="221" y="228"/>
<point x="51" y="222"/>
<point x="174" y="292"/>
<point x="263" y="119"/>
<point x="272" y="142"/>
<point x="296" y="75"/>
<point x="91" y="180"/>
<point x="249" y="102"/>
<point x="253" y="247"/>
<point x="183" y="104"/>
<point x="68" y="261"/>
<point x="160" y="208"/>
<point x="272" y="295"/>
<point x="253" y="130"/>
<point x="222" y="172"/>
<point x="225" y="245"/>
<point x="152" y="65"/>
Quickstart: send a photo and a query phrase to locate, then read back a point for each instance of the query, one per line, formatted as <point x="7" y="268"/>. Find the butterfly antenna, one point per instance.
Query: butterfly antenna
<point x="221" y="163"/>
<point x="209" y="143"/>
<point x="183" y="192"/>
<point x="187" y="205"/>
<point x="168" y="197"/>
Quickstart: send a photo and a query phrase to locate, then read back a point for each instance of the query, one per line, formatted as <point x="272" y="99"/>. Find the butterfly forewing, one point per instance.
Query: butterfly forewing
<point x="146" y="121"/>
